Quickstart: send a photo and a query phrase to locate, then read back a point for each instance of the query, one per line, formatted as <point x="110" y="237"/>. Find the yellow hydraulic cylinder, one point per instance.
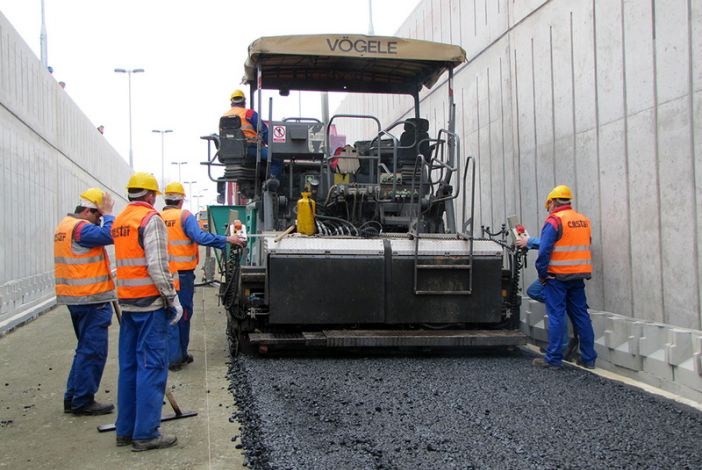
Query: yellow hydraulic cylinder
<point x="306" y="208"/>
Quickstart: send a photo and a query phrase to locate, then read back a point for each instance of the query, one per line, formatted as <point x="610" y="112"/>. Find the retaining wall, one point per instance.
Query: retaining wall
<point x="49" y="153"/>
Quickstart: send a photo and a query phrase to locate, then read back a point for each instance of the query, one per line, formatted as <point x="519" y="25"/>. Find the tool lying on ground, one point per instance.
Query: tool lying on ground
<point x="177" y="412"/>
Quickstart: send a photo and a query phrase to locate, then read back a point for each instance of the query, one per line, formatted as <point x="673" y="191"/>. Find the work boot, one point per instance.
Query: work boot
<point x="94" y="409"/>
<point x="160" y="442"/>
<point x="540" y="362"/>
<point x="175" y="367"/>
<point x="124" y="441"/>
<point x="587" y="365"/>
<point x="67" y="405"/>
<point x="189" y="358"/>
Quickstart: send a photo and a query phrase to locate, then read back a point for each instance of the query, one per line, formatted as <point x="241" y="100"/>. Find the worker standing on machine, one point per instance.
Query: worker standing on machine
<point x="249" y="125"/>
<point x="84" y="285"/>
<point x="147" y="295"/>
<point x="184" y="236"/>
<point x="564" y="262"/>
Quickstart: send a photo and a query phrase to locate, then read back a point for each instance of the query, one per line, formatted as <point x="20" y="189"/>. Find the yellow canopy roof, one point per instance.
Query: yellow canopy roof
<point x="354" y="63"/>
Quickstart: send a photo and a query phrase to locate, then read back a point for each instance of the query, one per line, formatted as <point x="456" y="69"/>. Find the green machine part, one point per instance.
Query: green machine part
<point x="218" y="221"/>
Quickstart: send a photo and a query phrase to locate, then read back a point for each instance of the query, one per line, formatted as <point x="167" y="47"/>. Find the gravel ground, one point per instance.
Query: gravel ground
<point x="484" y="410"/>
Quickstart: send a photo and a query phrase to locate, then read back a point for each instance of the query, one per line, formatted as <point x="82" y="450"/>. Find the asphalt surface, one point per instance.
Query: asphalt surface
<point x="482" y="410"/>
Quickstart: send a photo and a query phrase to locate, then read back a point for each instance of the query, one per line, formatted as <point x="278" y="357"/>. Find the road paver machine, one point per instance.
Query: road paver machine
<point x="378" y="257"/>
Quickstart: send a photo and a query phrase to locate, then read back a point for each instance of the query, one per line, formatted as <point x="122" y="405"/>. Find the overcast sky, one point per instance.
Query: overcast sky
<point x="193" y="54"/>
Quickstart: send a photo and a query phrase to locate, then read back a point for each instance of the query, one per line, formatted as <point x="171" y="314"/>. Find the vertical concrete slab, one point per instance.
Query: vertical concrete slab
<point x="672" y="49"/>
<point x="610" y="75"/>
<point x="485" y="158"/>
<point x="696" y="86"/>
<point x="522" y="66"/>
<point x="506" y="131"/>
<point x="563" y="111"/>
<point x="584" y="67"/>
<point x="615" y="211"/>
<point x="647" y="295"/>
<point x="639" y="56"/>
<point x="455" y="19"/>
<point x="445" y="21"/>
<point x="543" y="109"/>
<point x="587" y="202"/>
<point x="679" y="266"/>
<point x="497" y="189"/>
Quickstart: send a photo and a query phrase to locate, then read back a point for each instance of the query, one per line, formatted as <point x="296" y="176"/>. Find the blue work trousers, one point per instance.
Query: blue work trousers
<point x="143" y="370"/>
<point x="536" y="292"/>
<point x="90" y="323"/>
<point x="568" y="297"/>
<point x="179" y="334"/>
<point x="276" y="164"/>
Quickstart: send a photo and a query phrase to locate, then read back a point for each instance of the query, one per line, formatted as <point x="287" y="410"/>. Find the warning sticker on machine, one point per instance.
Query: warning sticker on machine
<point x="278" y="133"/>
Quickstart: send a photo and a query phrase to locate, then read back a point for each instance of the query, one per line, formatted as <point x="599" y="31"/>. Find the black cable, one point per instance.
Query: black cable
<point x="229" y="290"/>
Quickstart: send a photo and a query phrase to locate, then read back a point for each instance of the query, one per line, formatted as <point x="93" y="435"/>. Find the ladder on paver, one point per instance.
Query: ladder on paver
<point x="436" y="267"/>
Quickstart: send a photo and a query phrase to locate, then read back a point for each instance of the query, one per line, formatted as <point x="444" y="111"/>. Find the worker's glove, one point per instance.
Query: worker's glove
<point x="234" y="240"/>
<point x="176" y="311"/>
<point x="177" y="314"/>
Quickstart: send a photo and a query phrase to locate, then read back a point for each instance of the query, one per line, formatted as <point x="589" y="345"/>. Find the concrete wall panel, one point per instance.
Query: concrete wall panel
<point x="679" y="266"/>
<point x="610" y="74"/>
<point x="583" y="66"/>
<point x="616" y="266"/>
<point x="49" y="153"/>
<point x="647" y="301"/>
<point x="672" y="49"/>
<point x="587" y="202"/>
<point x="639" y="57"/>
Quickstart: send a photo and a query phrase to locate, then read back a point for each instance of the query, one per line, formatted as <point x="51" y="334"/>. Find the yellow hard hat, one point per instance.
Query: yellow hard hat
<point x="559" y="192"/>
<point x="91" y="198"/>
<point x="175" y="188"/>
<point x="142" y="180"/>
<point x="237" y="96"/>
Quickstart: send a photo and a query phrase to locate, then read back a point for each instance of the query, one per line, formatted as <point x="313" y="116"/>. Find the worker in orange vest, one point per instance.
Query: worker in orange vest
<point x="85" y="286"/>
<point x="184" y="236"/>
<point x="564" y="262"/>
<point x="249" y="125"/>
<point x="535" y="291"/>
<point x="147" y="295"/>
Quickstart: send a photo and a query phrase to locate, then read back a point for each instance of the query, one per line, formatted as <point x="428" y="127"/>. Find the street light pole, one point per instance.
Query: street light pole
<point x="179" y="165"/>
<point x="162" y="132"/>
<point x="43" y="46"/>
<point x="129" y="73"/>
<point x="190" y="193"/>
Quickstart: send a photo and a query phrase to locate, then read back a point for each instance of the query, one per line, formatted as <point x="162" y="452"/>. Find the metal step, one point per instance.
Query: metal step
<point x="392" y="338"/>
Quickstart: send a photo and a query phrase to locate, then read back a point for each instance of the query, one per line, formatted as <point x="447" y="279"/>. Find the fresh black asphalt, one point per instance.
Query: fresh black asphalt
<point x="468" y="411"/>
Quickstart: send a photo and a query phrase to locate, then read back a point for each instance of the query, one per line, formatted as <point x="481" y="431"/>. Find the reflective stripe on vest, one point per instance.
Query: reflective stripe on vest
<point x="133" y="280"/>
<point x="82" y="275"/>
<point x="182" y="251"/>
<point x="571" y="255"/>
<point x="246" y="127"/>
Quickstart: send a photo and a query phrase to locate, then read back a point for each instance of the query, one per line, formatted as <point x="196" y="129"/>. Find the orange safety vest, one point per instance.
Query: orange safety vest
<point x="182" y="251"/>
<point x="134" y="285"/>
<point x="82" y="274"/>
<point x="246" y="127"/>
<point x="571" y="257"/>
